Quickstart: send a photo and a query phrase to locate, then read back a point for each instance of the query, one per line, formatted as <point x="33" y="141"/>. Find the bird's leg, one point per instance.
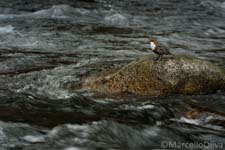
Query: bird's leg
<point x="160" y="57"/>
<point x="157" y="58"/>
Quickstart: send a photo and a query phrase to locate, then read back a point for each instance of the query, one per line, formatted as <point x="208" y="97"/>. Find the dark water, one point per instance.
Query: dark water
<point x="48" y="47"/>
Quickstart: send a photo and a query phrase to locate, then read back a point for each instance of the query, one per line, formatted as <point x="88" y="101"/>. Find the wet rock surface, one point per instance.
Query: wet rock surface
<point x="177" y="75"/>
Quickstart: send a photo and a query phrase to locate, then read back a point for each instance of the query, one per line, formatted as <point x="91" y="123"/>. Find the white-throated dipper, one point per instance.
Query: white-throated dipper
<point x="159" y="49"/>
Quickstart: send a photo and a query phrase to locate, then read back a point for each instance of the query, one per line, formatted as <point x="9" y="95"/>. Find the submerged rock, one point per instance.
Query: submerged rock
<point x="178" y="75"/>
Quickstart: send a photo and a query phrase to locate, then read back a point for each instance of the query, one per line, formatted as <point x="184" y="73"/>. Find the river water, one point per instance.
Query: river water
<point x="48" y="47"/>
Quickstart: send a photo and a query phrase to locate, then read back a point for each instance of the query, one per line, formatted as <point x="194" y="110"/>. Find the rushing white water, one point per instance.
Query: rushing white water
<point x="33" y="139"/>
<point x="72" y="148"/>
<point x="117" y="19"/>
<point x="57" y="11"/>
<point x="7" y="29"/>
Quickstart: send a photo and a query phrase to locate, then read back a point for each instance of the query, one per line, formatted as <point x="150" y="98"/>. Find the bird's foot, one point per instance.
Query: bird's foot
<point x="159" y="58"/>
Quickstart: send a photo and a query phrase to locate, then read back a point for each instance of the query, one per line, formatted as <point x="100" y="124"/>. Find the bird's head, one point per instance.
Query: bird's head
<point x="153" y="43"/>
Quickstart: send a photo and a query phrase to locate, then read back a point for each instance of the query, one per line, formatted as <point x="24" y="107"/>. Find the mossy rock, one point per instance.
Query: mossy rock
<point x="177" y="75"/>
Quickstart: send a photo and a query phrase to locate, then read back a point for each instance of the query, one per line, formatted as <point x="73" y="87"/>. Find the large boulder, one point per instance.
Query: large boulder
<point x="177" y="75"/>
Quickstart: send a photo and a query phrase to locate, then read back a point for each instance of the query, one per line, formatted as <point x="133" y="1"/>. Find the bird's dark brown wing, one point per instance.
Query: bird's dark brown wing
<point x="163" y="50"/>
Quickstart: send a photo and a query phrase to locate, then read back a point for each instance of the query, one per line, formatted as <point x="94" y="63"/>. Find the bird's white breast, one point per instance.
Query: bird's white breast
<point x="152" y="45"/>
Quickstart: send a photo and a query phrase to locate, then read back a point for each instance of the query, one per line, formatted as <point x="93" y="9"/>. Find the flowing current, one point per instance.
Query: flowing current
<point x="48" y="47"/>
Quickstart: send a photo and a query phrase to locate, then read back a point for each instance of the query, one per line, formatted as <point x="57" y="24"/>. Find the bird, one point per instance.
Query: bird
<point x="159" y="49"/>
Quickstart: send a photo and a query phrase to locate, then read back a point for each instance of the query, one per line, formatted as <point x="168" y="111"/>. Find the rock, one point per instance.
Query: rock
<point x="178" y="75"/>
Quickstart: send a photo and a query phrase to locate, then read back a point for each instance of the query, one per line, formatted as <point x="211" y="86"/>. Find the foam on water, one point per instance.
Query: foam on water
<point x="117" y="19"/>
<point x="7" y="16"/>
<point x="33" y="139"/>
<point x="72" y="148"/>
<point x="51" y="82"/>
<point x="83" y="62"/>
<point x="187" y="120"/>
<point x="223" y="5"/>
<point x="52" y="89"/>
<point x="61" y="11"/>
<point x="146" y="107"/>
<point x="2" y="134"/>
<point x="131" y="107"/>
<point x="6" y="29"/>
<point x="152" y="131"/>
<point x="13" y="38"/>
